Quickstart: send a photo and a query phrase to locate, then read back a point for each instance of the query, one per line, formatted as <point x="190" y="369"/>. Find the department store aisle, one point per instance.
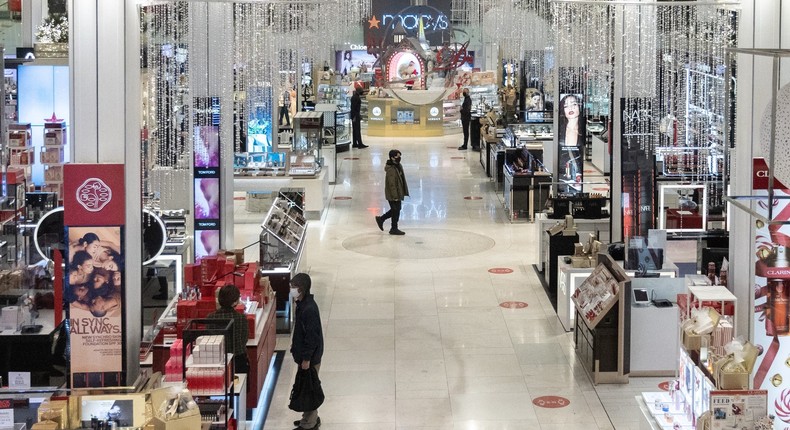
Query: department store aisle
<point x="414" y="334"/>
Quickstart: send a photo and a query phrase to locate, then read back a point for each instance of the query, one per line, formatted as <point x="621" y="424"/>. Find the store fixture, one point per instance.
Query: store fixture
<point x="208" y="368"/>
<point x="12" y="214"/>
<point x="20" y="149"/>
<point x="603" y="312"/>
<point x="306" y="158"/>
<point x="330" y="145"/>
<point x="52" y="156"/>
<point x="281" y="245"/>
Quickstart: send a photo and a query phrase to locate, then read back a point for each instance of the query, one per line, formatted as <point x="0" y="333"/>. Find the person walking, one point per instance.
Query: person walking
<point x="395" y="190"/>
<point x="356" y="119"/>
<point x="307" y="344"/>
<point x="466" y="117"/>
<point x="285" y="107"/>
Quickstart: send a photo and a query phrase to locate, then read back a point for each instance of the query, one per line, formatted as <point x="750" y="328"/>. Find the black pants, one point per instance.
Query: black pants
<point x="241" y="363"/>
<point x="393" y="213"/>
<point x="465" y="125"/>
<point x="356" y="125"/>
<point x="284" y="113"/>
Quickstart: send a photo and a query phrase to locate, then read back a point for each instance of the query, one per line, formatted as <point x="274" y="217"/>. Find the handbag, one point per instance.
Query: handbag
<point x="306" y="394"/>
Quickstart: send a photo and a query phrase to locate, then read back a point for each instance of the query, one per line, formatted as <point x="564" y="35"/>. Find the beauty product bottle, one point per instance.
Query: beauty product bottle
<point x="779" y="297"/>
<point x="712" y="273"/>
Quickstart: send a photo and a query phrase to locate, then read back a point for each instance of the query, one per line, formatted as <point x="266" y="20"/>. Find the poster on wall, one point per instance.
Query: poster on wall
<point x="94" y="217"/>
<point x="207" y="184"/>
<point x="571" y="133"/>
<point x="94" y="293"/>
<point x="772" y="294"/>
<point x="637" y="167"/>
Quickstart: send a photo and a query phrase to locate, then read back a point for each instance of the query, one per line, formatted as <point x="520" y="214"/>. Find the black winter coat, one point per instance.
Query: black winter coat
<point x="308" y="338"/>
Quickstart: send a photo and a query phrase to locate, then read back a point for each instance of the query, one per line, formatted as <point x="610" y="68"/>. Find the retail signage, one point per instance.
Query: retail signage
<point x="376" y="109"/>
<point x="206" y="144"/>
<point x="571" y="132"/>
<point x="94" y="194"/>
<point x="637" y="167"/>
<point x="94" y="217"/>
<point x="734" y="409"/>
<point x="435" y="115"/>
<point x="387" y="15"/>
<point x="772" y="294"/>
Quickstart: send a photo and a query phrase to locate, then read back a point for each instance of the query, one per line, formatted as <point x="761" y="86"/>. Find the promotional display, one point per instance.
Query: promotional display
<point x="94" y="216"/>
<point x="772" y="286"/>
<point x="571" y="132"/>
<point x="638" y="168"/>
<point x="207" y="176"/>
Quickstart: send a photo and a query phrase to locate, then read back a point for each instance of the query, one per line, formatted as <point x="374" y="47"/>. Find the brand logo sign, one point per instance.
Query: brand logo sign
<point x="94" y="194"/>
<point x="376" y="111"/>
<point x="434" y="111"/>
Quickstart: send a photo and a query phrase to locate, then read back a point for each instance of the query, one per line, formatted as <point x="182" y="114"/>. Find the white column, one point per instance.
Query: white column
<point x="106" y="120"/>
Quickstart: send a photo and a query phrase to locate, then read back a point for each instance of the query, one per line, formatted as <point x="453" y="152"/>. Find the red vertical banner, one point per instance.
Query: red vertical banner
<point x="94" y="217"/>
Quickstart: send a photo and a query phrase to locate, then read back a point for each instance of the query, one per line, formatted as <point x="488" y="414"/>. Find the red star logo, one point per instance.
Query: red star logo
<point x="374" y="23"/>
<point x="54" y="118"/>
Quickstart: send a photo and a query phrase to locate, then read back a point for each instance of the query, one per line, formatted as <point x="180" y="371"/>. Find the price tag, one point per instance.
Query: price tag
<point x="6" y="418"/>
<point x="19" y="380"/>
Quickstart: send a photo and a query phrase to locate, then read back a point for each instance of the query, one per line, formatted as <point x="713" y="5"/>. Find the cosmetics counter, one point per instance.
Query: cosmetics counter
<point x="392" y="117"/>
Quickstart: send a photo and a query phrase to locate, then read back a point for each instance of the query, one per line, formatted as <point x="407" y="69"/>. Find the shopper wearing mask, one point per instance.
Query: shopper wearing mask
<point x="356" y="119"/>
<point x="307" y="344"/>
<point x="466" y="117"/>
<point x="395" y="190"/>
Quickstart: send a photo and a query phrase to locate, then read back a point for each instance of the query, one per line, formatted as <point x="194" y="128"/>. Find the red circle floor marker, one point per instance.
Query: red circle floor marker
<point x="457" y="158"/>
<point x="664" y="386"/>
<point x="551" y="402"/>
<point x="473" y="198"/>
<point x="500" y="270"/>
<point x="351" y="158"/>
<point x="600" y="189"/>
<point x="239" y="198"/>
<point x="513" y="305"/>
<point x="342" y="198"/>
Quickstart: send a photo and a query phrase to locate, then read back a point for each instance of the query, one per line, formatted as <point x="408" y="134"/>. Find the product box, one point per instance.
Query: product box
<point x="581" y="262"/>
<point x="189" y="420"/>
<point x="693" y="342"/>
<point x="45" y="425"/>
<point x="730" y="375"/>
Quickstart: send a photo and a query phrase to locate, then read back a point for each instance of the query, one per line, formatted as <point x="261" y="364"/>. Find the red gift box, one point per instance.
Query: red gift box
<point x="186" y="310"/>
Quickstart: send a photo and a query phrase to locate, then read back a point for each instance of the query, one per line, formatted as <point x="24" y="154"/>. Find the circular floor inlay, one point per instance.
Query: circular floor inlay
<point x="342" y="198"/>
<point x="551" y="402"/>
<point x="513" y="305"/>
<point x="473" y="198"/>
<point x="664" y="386"/>
<point x="419" y="243"/>
<point x="500" y="270"/>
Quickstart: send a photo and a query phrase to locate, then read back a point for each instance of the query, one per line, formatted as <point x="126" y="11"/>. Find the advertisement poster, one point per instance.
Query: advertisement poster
<point x="638" y="167"/>
<point x="571" y="132"/>
<point x="94" y="293"/>
<point x="94" y="215"/>
<point x="737" y="409"/>
<point x="771" y="282"/>
<point x="207" y="176"/>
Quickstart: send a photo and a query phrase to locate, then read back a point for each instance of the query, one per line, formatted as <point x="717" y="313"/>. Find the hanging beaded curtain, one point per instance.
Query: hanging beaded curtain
<point x="165" y="97"/>
<point x="522" y="31"/>
<point x="277" y="42"/>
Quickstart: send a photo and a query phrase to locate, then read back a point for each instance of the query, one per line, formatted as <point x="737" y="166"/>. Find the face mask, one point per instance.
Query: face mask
<point x="295" y="293"/>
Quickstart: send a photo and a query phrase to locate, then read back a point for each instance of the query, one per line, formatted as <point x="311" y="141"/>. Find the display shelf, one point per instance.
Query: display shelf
<point x="335" y="94"/>
<point x="603" y="313"/>
<point x="191" y="362"/>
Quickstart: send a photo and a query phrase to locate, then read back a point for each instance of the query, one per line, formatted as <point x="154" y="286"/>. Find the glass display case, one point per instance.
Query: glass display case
<point x="305" y="158"/>
<point x="336" y="94"/>
<point x="260" y="164"/>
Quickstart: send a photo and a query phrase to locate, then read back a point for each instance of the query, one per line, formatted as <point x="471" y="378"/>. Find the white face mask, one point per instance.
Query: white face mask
<point x="295" y="293"/>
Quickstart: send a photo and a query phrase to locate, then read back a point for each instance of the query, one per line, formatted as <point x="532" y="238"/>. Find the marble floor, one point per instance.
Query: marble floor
<point x="414" y="334"/>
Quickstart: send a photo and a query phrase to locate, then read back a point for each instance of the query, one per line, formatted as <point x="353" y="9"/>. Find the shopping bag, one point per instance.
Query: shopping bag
<point x="306" y="394"/>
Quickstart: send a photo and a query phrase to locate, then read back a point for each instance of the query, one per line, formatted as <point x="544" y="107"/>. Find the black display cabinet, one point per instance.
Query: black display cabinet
<point x="558" y="245"/>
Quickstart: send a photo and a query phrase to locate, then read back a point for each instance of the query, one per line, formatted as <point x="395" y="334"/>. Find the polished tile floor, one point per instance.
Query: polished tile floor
<point x="414" y="334"/>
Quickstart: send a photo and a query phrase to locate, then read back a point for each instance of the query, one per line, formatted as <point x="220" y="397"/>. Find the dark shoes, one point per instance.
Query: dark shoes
<point x="298" y="425"/>
<point x="462" y="148"/>
<point x="396" y="232"/>
<point x="380" y="223"/>
<point x="360" y="146"/>
<point x="476" y="149"/>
